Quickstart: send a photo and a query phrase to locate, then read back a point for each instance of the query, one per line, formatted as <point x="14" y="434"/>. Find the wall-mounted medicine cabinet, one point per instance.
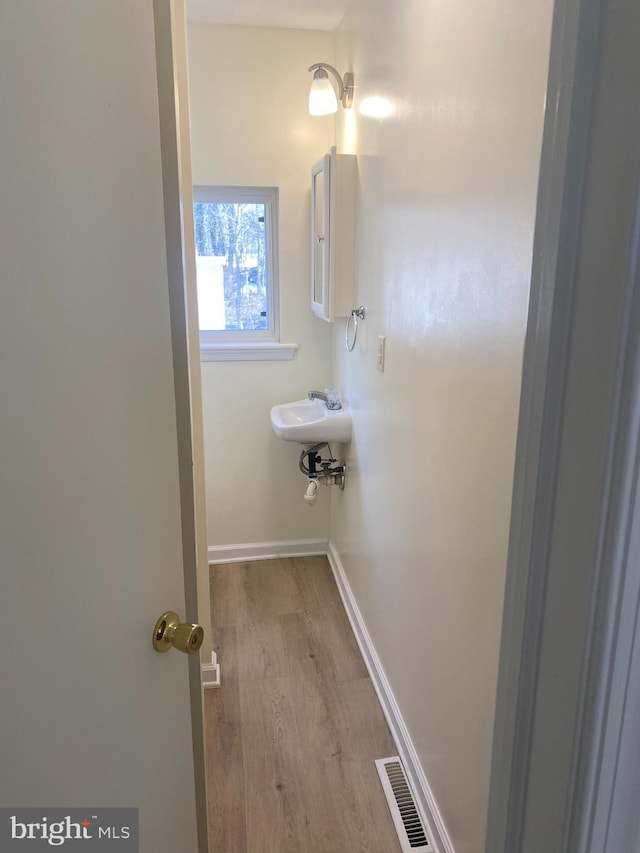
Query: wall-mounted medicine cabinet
<point x="332" y="235"/>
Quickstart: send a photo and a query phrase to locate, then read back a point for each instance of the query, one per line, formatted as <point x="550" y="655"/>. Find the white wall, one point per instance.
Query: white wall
<point x="446" y="199"/>
<point x="250" y="126"/>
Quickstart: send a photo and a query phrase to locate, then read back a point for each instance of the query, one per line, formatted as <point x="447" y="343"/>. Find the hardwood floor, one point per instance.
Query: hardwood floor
<point x="292" y="733"/>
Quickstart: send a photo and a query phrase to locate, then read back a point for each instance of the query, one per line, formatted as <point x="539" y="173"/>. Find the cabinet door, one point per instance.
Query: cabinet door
<point x="320" y="238"/>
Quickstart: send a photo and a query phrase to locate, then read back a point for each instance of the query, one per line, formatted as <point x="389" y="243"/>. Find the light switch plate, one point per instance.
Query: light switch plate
<point x="381" y="348"/>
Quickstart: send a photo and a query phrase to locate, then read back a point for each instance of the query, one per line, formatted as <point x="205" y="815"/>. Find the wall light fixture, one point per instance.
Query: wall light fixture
<point x="322" y="96"/>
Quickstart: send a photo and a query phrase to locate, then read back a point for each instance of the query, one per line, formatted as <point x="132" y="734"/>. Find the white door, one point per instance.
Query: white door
<point x="91" y="539"/>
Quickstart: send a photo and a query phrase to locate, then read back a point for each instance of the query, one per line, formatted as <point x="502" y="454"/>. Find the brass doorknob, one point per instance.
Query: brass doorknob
<point x="170" y="631"/>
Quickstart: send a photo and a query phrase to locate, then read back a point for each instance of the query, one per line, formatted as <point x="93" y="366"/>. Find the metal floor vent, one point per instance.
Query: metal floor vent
<point x="402" y="806"/>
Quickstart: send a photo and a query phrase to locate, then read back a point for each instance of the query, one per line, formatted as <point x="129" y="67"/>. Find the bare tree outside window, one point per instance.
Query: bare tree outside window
<point x="236" y="241"/>
<point x="234" y="234"/>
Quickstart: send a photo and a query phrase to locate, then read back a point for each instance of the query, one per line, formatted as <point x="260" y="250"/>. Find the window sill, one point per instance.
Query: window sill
<point x="270" y="351"/>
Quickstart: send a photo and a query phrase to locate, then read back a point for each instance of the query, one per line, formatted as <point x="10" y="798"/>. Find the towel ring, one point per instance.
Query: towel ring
<point x="355" y="314"/>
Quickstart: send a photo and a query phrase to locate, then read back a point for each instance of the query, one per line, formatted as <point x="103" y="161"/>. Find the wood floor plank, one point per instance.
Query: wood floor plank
<point x="365" y="809"/>
<point x="224" y="753"/>
<point x="262" y="652"/>
<point x="360" y="722"/>
<point x="274" y="809"/>
<point x="227" y="593"/>
<point x="310" y="723"/>
<point x="271" y="589"/>
<point x="341" y="737"/>
<point x="328" y="623"/>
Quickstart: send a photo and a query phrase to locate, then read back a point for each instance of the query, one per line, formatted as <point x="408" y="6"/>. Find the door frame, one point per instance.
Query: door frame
<point x="578" y="453"/>
<point x="573" y="575"/>
<point x="173" y="103"/>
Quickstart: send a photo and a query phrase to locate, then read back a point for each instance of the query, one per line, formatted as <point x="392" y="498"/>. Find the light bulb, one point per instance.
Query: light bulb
<point x="322" y="96"/>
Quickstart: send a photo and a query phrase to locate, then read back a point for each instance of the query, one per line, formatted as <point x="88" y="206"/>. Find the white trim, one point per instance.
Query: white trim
<point x="574" y="518"/>
<point x="603" y="788"/>
<point x="425" y="800"/>
<point x="267" y="550"/>
<point x="542" y="401"/>
<point x="172" y="83"/>
<point x="268" y="351"/>
<point x="607" y="741"/>
<point x="210" y="673"/>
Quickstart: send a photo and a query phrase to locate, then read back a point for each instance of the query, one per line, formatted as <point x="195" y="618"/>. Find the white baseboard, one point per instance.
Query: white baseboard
<point x="406" y="750"/>
<point x="267" y="550"/>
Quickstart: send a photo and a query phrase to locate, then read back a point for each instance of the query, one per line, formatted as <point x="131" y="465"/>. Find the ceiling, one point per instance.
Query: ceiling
<point x="292" y="14"/>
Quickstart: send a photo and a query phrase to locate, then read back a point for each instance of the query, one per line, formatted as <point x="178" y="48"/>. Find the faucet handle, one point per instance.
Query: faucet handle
<point x="333" y="398"/>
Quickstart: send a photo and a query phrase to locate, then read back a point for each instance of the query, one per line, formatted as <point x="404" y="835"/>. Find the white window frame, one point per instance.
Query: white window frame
<point x="255" y="344"/>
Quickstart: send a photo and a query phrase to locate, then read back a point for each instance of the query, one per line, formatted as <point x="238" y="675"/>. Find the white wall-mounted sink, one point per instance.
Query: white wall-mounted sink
<point x="310" y="422"/>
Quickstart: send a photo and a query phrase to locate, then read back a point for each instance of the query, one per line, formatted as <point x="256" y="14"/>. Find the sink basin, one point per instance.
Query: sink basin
<point x="310" y="422"/>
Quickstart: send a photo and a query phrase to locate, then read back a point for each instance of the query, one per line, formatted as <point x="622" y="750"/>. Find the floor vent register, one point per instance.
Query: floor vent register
<point x="402" y="806"/>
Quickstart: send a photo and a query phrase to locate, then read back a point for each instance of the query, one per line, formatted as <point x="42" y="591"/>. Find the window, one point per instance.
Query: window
<point x="237" y="271"/>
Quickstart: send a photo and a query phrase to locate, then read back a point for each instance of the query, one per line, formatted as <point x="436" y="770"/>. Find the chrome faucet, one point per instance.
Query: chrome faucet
<point x="331" y="399"/>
